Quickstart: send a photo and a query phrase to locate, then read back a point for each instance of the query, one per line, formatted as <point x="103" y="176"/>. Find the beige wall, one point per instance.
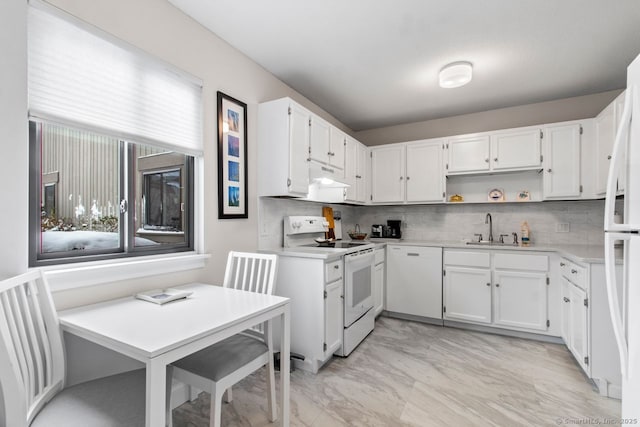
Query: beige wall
<point x="580" y="107"/>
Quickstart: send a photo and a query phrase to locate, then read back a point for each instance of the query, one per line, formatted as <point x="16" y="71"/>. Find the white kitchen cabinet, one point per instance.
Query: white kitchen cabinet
<point x="469" y="153"/>
<point x="578" y="332"/>
<point x="604" y="132"/>
<point x="320" y="139"/>
<point x="562" y="160"/>
<point x="337" y="144"/>
<point x="388" y="173"/>
<point x="467" y="294"/>
<point x="378" y="281"/>
<point x="317" y="307"/>
<point x="520" y="299"/>
<point x="414" y="281"/>
<point x="333" y="317"/>
<point x="565" y="310"/>
<point x="283" y="149"/>
<point x="516" y="149"/>
<point x="355" y="170"/>
<point x="425" y="180"/>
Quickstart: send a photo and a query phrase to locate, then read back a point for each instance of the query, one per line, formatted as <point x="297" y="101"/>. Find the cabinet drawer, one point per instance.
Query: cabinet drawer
<point x="575" y="273"/>
<point x="521" y="262"/>
<point x="467" y="259"/>
<point x="333" y="271"/>
<point x="379" y="256"/>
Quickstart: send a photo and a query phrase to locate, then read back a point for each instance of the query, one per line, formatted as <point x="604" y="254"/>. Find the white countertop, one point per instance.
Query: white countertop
<point x="589" y="254"/>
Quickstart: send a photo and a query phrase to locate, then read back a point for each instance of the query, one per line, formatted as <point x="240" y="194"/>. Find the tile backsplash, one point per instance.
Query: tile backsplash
<point x="454" y="222"/>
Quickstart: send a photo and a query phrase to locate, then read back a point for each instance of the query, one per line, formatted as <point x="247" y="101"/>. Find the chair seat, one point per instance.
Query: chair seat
<point x="219" y="360"/>
<point x="117" y="400"/>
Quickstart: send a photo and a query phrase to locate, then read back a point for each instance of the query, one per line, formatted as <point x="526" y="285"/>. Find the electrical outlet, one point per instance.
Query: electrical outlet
<point x="562" y="227"/>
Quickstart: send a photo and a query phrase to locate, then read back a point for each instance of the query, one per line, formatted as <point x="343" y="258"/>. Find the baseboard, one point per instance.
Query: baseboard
<point x="412" y="317"/>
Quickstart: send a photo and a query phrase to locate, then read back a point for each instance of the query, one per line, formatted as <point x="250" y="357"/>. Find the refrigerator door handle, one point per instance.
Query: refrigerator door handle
<point x="619" y="145"/>
<point x="612" y="294"/>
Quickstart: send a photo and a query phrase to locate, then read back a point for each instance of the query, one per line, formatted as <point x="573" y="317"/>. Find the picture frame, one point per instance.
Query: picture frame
<point x="232" y="158"/>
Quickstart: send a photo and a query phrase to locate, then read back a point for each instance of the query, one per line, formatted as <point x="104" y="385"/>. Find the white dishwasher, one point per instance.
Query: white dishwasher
<point x="414" y="282"/>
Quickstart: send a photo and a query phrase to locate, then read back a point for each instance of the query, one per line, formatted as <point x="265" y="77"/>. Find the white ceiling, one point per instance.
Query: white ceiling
<point x="375" y="63"/>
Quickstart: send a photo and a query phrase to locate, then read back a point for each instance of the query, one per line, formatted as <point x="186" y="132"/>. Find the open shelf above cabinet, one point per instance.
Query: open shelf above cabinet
<point x="476" y="188"/>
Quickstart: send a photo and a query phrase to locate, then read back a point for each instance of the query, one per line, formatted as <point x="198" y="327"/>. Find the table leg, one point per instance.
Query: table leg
<point x="156" y="394"/>
<point x="284" y="367"/>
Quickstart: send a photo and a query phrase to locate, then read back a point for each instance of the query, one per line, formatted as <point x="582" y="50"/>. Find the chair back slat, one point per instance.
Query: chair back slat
<point x="251" y="272"/>
<point x="31" y="351"/>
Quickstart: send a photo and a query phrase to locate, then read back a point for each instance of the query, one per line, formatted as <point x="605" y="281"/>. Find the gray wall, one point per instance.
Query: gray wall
<point x="561" y="110"/>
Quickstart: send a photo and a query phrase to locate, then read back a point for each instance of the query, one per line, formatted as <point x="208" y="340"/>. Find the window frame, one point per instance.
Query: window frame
<point x="127" y="230"/>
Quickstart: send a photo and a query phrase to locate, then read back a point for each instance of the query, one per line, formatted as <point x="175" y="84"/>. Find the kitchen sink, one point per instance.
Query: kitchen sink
<point x="488" y="243"/>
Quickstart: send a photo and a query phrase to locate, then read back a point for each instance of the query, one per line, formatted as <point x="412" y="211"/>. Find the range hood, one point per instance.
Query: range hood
<point x="324" y="176"/>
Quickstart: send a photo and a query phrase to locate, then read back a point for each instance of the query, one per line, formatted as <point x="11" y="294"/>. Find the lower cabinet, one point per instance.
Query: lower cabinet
<point x="467" y="294"/>
<point x="333" y="317"/>
<point x="575" y="312"/>
<point x="414" y="281"/>
<point x="497" y="289"/>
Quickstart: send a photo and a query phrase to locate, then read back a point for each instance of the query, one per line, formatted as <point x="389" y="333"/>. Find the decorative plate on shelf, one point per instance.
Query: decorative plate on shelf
<point x="523" y="196"/>
<point x="456" y="198"/>
<point x="496" y="195"/>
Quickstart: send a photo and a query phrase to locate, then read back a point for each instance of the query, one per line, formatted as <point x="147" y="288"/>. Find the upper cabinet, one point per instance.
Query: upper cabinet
<point x="468" y="153"/>
<point x="409" y="172"/>
<point x="606" y="126"/>
<point x="283" y="148"/>
<point x="388" y="173"/>
<point x="562" y="154"/>
<point x="327" y="145"/>
<point x="355" y="170"/>
<point x="519" y="149"/>
<point x="514" y="149"/>
<point x="337" y="145"/>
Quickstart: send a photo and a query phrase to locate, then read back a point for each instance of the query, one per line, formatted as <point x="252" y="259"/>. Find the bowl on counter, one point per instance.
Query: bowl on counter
<point x="357" y="236"/>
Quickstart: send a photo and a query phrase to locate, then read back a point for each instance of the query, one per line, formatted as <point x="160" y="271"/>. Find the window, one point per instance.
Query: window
<point x="114" y="134"/>
<point x="99" y="197"/>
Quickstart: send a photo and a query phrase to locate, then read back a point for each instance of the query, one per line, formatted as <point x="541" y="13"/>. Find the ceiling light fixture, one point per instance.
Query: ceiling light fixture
<point x="456" y="74"/>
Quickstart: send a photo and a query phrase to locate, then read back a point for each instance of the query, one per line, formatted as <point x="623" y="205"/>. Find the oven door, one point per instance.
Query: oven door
<point x="358" y="298"/>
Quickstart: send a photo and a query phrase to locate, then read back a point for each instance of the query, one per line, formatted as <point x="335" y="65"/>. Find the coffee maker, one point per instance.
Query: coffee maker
<point x="395" y="226"/>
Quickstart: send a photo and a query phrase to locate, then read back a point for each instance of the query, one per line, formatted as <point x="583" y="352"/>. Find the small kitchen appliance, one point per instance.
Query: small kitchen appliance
<point x="376" y="230"/>
<point x="337" y="224"/>
<point x="395" y="226"/>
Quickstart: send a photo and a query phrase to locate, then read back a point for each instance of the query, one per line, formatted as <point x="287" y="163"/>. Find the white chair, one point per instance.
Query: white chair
<point x="218" y="367"/>
<point x="32" y="368"/>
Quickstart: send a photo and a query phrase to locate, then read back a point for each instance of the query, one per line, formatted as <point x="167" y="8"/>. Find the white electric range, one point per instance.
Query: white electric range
<point x="300" y="236"/>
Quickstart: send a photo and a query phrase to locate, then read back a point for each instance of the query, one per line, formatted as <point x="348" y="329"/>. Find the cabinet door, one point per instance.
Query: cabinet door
<point x="566" y="311"/>
<point x="362" y="176"/>
<point x="467" y="294"/>
<point x="298" y="150"/>
<point x="337" y="143"/>
<point x="378" y="288"/>
<point x="425" y="175"/>
<point x="468" y="154"/>
<point x="350" y="168"/>
<point x="562" y="161"/>
<point x="387" y="174"/>
<point x="320" y="137"/>
<point x="578" y="326"/>
<point x="333" y="312"/>
<point x="605" y="128"/>
<point x="520" y="299"/>
<point x="414" y="280"/>
<point x="516" y="150"/>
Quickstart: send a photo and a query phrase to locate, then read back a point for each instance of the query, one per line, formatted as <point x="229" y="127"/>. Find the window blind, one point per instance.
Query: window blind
<point x="80" y="76"/>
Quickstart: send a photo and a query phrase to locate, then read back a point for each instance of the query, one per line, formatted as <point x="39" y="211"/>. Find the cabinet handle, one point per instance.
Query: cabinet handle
<point x="565" y="299"/>
<point x="413" y="254"/>
<point x="401" y="178"/>
<point x="549" y="170"/>
<point x="486" y="160"/>
<point x="497" y="285"/>
<point x="337" y="267"/>
<point x="488" y="284"/>
<point x="562" y="264"/>
<point x="609" y="157"/>
<point x="574" y="271"/>
<point x="495" y="159"/>
<point x="408" y="178"/>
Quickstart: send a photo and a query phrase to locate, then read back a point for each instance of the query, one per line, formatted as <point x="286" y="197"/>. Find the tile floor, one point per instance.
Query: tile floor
<point x="412" y="374"/>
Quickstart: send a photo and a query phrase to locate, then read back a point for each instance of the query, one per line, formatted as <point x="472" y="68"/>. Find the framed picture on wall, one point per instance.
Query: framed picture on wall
<point x="232" y="158"/>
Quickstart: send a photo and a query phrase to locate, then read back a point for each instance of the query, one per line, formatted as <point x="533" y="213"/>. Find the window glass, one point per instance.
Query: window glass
<point x="100" y="197"/>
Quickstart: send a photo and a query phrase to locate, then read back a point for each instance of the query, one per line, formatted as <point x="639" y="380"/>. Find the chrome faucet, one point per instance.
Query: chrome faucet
<point x="489" y="220"/>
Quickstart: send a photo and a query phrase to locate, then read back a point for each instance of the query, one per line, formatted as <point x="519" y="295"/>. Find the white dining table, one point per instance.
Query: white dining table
<point x="158" y="335"/>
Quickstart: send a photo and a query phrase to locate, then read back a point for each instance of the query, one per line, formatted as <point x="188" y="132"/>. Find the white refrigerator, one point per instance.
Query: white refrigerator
<point x="624" y="298"/>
